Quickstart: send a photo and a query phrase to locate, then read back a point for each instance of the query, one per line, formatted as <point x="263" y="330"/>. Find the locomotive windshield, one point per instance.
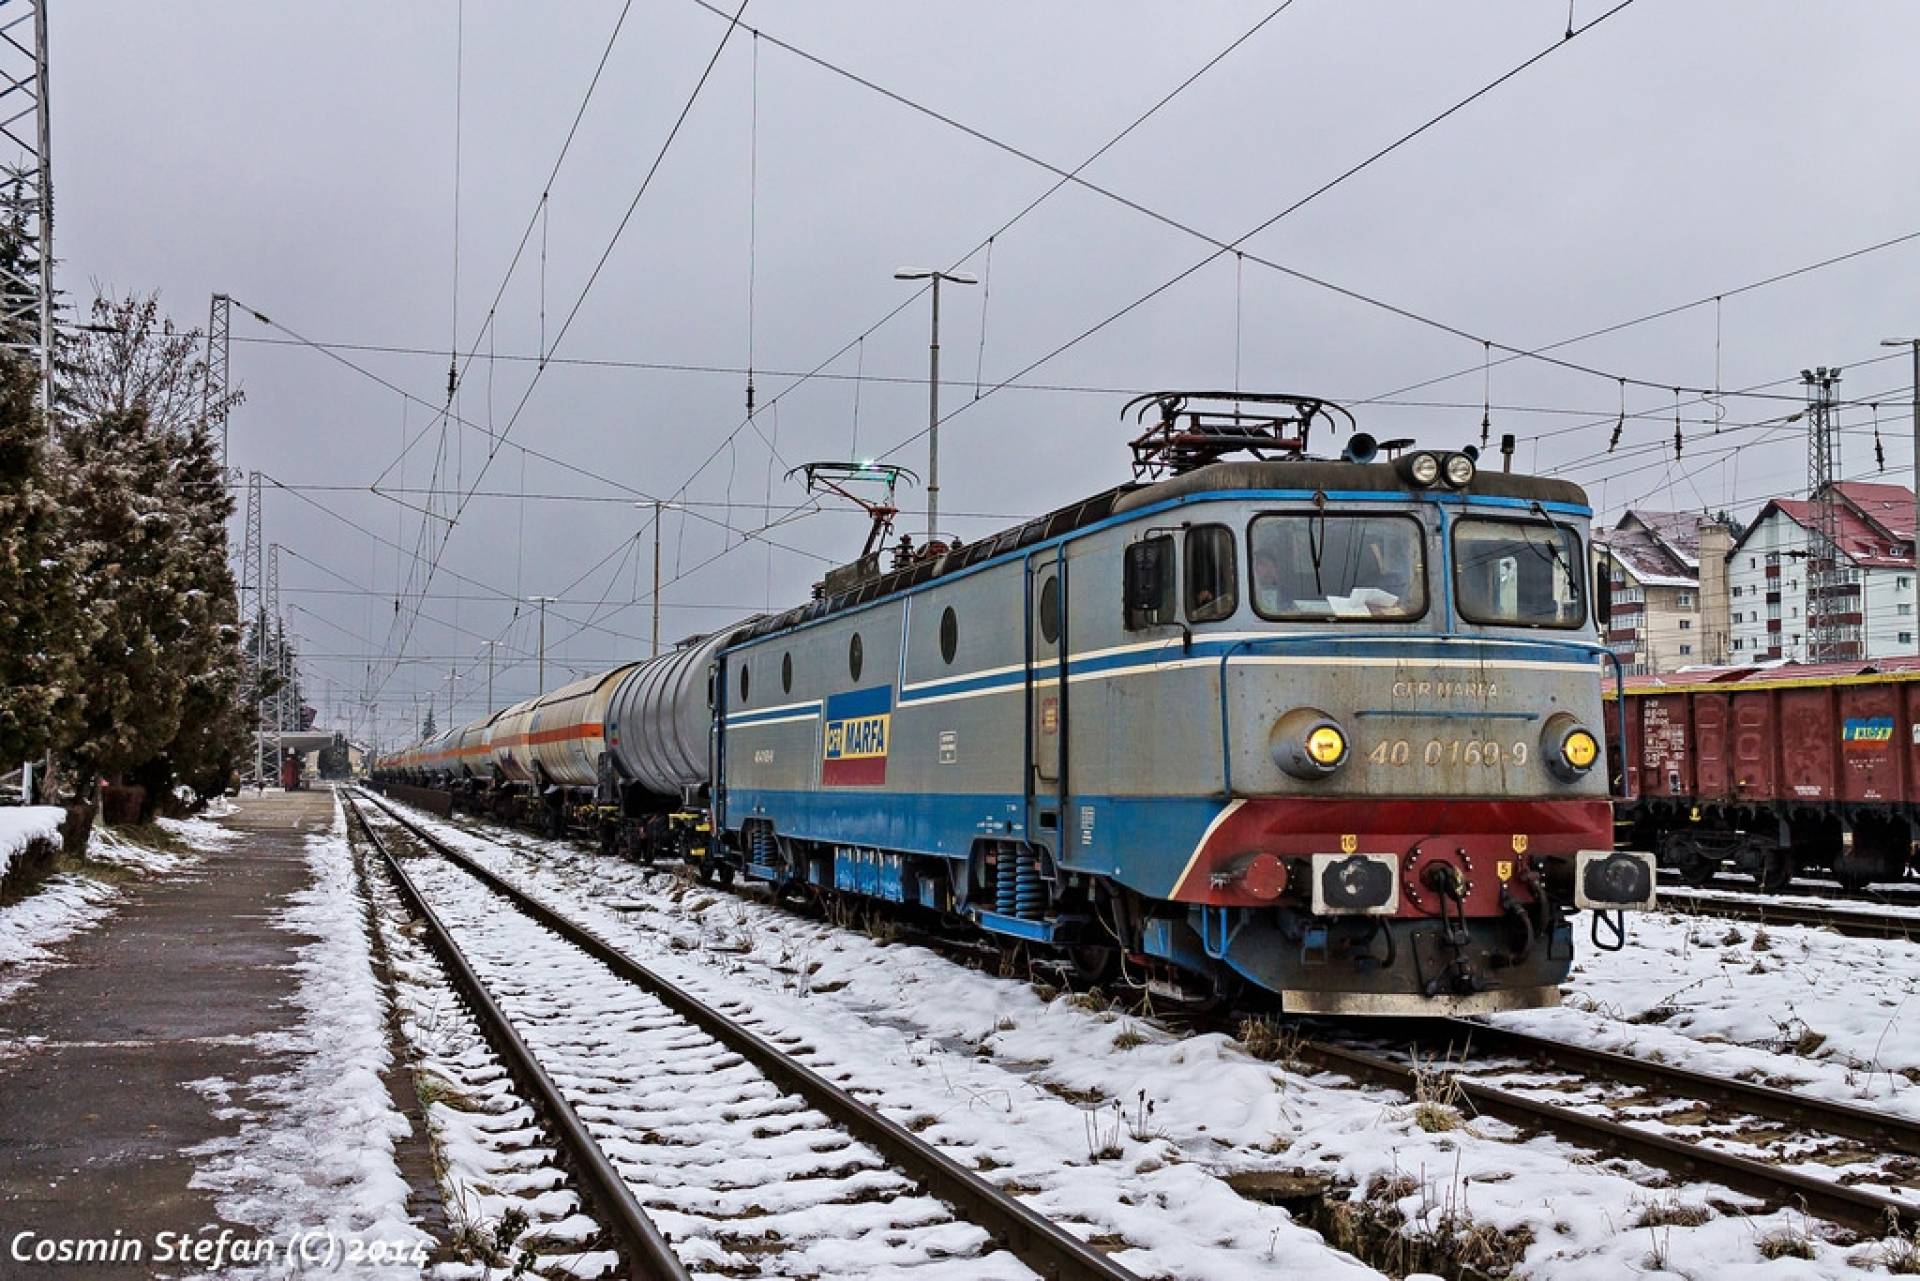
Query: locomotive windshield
<point x="1519" y="573"/>
<point x="1314" y="565"/>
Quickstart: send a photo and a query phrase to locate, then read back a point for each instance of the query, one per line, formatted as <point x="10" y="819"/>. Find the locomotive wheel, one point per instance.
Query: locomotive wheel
<point x="704" y="872"/>
<point x="725" y="873"/>
<point x="1093" y="965"/>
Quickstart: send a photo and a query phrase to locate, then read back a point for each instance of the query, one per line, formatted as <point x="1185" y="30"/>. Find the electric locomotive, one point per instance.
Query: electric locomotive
<point x="1329" y="727"/>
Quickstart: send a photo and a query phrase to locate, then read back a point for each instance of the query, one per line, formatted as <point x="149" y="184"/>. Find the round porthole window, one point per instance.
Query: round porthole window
<point x="949" y="635"/>
<point x="1050" y="610"/>
<point x="786" y="673"/>
<point x="854" y="656"/>
<point x="743" y="682"/>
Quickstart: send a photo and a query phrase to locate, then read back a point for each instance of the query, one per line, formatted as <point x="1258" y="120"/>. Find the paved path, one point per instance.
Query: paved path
<point x="95" y="1056"/>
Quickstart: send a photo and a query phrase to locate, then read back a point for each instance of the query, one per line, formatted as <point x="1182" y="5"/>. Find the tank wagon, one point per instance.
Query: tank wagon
<point x="1330" y="727"/>
<point x="1775" y="771"/>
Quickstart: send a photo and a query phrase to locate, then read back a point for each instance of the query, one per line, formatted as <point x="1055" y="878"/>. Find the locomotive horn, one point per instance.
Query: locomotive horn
<point x="1361" y="448"/>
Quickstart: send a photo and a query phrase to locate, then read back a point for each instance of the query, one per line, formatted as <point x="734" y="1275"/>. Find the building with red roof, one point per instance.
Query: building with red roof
<point x="1871" y="583"/>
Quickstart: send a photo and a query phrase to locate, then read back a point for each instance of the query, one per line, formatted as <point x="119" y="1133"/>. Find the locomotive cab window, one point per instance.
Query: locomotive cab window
<point x="1315" y="565"/>
<point x="1149" y="583"/>
<point x="1513" y="573"/>
<point x="1212" y="574"/>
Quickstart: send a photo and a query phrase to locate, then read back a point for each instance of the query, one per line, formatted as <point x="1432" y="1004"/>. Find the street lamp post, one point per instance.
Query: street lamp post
<point x="543" y="602"/>
<point x="1915" y="344"/>
<point x="933" y="386"/>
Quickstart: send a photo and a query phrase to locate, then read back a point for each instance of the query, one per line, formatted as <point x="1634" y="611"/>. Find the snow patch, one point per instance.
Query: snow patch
<point x="67" y="903"/>
<point x="21" y="825"/>
<point x="316" y="1151"/>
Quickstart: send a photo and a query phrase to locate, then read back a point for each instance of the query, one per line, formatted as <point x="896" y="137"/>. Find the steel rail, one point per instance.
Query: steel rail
<point x="1867" y="1213"/>
<point x="1854" y="924"/>
<point x="1036" y="1241"/>
<point x="1846" y="1120"/>
<point x="1886" y="894"/>
<point x="646" y="1248"/>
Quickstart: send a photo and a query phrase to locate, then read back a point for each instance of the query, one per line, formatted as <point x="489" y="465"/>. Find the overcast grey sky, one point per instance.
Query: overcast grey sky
<point x="302" y="158"/>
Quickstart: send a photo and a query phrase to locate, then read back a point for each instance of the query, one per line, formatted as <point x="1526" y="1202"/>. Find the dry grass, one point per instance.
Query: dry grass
<point x="1671" y="1211"/>
<point x="1436" y="1098"/>
<point x="1267" y="1038"/>
<point x="1788" y="1241"/>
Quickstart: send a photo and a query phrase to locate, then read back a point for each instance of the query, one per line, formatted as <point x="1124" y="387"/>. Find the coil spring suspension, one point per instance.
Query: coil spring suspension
<point x="1017" y="888"/>
<point x="762" y="844"/>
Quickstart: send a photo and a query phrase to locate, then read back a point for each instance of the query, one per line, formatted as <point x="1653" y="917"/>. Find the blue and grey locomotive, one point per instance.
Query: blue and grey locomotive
<point x="1329" y="727"/>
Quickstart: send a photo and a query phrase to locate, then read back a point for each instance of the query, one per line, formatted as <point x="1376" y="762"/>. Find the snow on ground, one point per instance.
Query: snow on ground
<point x="1041" y="1086"/>
<point x="69" y="902"/>
<point x="492" y="1156"/>
<point x="315" y="1150"/>
<point x="744" y="1179"/>
<point x="22" y="824"/>
<point x="1834" y="1016"/>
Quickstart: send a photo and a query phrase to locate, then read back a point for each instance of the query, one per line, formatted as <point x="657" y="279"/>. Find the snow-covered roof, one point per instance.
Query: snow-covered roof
<point x="1647" y="557"/>
<point x="1875" y="522"/>
<point x="1677" y="532"/>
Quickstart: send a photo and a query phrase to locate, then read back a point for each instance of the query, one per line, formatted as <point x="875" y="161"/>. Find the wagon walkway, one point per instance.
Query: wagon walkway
<point x="189" y="981"/>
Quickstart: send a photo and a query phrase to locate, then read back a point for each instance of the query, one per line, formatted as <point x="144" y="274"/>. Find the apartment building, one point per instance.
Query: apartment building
<point x="1668" y="572"/>
<point x="1770" y="577"/>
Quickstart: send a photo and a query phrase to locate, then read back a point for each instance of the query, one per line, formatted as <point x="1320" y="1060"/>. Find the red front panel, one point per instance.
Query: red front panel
<point x="1871" y="725"/>
<point x="1810" y="745"/>
<point x="1665" y="763"/>
<point x="1756" y="746"/>
<point x="1712" y="768"/>
<point x="1487" y="840"/>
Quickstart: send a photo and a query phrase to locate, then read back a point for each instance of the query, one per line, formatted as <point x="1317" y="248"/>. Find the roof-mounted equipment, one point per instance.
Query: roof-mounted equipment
<point x="1188" y="436"/>
<point x="838" y="478"/>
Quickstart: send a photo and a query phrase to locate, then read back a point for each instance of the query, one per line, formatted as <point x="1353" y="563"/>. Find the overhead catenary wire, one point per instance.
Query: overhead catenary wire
<point x="1064" y="178"/>
<point x="1221" y="248"/>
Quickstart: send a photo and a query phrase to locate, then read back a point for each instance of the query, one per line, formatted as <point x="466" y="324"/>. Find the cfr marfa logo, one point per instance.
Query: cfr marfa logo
<point x="858" y="725"/>
<point x="863" y="736"/>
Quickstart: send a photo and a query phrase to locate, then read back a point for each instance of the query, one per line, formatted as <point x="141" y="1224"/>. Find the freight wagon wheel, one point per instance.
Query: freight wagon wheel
<point x="1775" y="870"/>
<point x="1685" y="855"/>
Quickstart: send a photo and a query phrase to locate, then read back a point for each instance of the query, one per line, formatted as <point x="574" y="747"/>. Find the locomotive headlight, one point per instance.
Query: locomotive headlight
<point x="1459" y="470"/>
<point x="1579" y="750"/>
<point x="1326" y="745"/>
<point x="1423" y="469"/>
<point x="1308" y="744"/>
<point x="1568" y="747"/>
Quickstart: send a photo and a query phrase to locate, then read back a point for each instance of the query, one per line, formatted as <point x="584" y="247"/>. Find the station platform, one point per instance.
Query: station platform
<point x="190" y="979"/>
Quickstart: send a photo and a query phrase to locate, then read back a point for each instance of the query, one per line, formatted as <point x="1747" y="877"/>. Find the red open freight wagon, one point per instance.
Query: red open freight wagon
<point x="1774" y="769"/>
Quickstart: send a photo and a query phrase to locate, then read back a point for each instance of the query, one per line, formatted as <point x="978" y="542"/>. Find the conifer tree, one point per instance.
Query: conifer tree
<point x="39" y="619"/>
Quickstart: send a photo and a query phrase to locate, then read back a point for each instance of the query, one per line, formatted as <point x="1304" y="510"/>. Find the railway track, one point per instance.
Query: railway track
<point x="1851" y="921"/>
<point x="1890" y="894"/>
<point x="1515" y="1077"/>
<point x="733" y="1140"/>
<point x="1692" y="1124"/>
